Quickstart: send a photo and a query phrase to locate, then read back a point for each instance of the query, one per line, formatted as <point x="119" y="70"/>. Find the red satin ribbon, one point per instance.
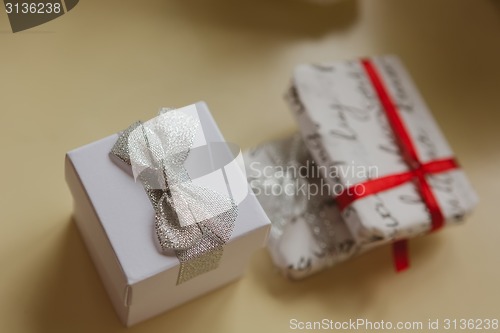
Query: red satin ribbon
<point x="417" y="173"/>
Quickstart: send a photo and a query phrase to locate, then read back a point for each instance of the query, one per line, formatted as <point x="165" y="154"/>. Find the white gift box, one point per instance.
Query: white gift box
<point x="116" y="221"/>
<point x="343" y="120"/>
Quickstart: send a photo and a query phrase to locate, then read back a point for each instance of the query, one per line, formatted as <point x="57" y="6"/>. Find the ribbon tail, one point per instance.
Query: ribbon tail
<point x="400" y="255"/>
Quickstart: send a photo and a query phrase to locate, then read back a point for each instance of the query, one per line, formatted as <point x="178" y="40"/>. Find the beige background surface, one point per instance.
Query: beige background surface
<point x="108" y="63"/>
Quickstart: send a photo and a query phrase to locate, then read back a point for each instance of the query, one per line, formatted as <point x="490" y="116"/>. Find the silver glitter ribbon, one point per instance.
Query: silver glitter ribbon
<point x="295" y="169"/>
<point x="193" y="222"/>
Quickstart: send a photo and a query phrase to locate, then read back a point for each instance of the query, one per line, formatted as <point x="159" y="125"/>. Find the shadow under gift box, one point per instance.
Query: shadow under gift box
<point x="116" y="220"/>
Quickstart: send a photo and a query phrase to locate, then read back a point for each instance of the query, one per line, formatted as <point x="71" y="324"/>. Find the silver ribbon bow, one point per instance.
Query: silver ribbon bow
<point x="284" y="175"/>
<point x="289" y="157"/>
<point x="192" y="221"/>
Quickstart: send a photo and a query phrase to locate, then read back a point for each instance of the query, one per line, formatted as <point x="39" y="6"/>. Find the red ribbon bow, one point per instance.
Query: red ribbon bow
<point x="417" y="173"/>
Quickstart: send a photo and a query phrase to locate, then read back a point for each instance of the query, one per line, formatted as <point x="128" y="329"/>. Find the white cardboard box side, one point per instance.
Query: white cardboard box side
<point x="97" y="243"/>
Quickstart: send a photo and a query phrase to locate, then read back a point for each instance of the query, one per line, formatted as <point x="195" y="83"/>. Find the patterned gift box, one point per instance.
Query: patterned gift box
<point x="380" y="150"/>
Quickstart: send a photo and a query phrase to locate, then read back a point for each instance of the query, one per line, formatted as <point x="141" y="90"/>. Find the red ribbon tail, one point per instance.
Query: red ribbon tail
<point x="400" y="255"/>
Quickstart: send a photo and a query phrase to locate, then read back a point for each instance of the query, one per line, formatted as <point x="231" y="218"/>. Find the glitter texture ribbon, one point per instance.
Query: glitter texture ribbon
<point x="193" y="222"/>
<point x="417" y="174"/>
<point x="288" y="158"/>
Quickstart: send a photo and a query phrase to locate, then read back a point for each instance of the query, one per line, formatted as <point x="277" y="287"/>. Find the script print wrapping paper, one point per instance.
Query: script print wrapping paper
<point x="345" y="127"/>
